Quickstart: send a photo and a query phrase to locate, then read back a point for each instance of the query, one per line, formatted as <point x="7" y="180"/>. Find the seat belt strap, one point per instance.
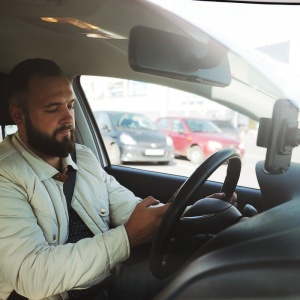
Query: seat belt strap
<point x="69" y="184"/>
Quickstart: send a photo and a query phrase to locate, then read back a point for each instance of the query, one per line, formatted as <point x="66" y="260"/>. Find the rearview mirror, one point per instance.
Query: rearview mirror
<point x="175" y="56"/>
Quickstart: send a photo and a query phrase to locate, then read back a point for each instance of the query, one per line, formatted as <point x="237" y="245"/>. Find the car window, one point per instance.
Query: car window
<point x="103" y="121"/>
<point x="133" y="121"/>
<point x="202" y="126"/>
<point x="270" y="43"/>
<point x="9" y="129"/>
<point x="163" y="124"/>
<point x="177" y="126"/>
<point x="142" y="110"/>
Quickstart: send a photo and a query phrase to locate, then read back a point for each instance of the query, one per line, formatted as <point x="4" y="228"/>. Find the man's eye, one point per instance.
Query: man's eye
<point x="52" y="110"/>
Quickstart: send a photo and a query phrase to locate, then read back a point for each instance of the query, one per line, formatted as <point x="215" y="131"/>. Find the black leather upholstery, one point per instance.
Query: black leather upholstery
<point x="256" y="258"/>
<point x="5" y="118"/>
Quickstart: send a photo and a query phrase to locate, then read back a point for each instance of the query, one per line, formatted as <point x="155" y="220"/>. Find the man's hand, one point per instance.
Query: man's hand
<point x="232" y="200"/>
<point x="144" y="221"/>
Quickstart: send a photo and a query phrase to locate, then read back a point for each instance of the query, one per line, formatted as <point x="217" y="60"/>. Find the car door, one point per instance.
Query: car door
<point x="179" y="136"/>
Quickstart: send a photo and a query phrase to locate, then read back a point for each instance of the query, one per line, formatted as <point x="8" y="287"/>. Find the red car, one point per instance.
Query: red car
<point x="196" y="138"/>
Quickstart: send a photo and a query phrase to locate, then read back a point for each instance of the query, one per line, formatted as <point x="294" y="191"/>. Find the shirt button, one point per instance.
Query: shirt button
<point x="102" y="211"/>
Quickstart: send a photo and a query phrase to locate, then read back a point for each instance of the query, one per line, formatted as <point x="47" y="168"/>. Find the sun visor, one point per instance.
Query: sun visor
<point x="179" y="57"/>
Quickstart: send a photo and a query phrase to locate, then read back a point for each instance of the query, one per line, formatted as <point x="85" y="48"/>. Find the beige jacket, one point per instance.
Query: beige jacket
<point x="34" y="259"/>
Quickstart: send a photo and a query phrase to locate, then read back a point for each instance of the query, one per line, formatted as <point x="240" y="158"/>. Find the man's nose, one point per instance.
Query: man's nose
<point x="68" y="115"/>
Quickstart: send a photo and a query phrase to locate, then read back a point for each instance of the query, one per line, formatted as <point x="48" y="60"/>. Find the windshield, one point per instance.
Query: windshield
<point x="202" y="126"/>
<point x="263" y="42"/>
<point x="264" y="46"/>
<point x="132" y="121"/>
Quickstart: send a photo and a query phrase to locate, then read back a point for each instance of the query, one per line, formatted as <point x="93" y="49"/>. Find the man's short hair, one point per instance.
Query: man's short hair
<point x="20" y="75"/>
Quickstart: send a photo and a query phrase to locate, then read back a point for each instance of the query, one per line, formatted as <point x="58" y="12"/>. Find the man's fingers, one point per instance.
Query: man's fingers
<point x="150" y="201"/>
<point x="221" y="196"/>
<point x="233" y="199"/>
<point x="217" y="195"/>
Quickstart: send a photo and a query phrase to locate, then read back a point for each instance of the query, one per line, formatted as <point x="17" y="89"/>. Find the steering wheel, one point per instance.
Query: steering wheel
<point x="159" y="266"/>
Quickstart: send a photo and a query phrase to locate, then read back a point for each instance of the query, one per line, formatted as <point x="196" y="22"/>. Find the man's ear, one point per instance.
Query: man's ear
<point x="17" y="114"/>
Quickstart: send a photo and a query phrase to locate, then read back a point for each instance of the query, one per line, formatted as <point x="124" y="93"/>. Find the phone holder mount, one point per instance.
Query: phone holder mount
<point x="279" y="135"/>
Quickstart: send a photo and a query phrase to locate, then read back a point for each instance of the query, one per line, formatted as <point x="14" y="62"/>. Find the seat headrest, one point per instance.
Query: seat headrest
<point x="5" y="118"/>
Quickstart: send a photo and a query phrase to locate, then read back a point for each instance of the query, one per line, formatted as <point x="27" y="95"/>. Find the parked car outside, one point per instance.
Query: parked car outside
<point x="132" y="137"/>
<point x="195" y="138"/>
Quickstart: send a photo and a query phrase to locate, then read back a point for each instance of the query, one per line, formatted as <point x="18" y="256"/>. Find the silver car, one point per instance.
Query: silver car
<point x="133" y="137"/>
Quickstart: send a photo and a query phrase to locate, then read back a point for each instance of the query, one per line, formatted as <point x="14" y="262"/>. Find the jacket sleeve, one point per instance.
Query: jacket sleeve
<point x="121" y="200"/>
<point x="36" y="268"/>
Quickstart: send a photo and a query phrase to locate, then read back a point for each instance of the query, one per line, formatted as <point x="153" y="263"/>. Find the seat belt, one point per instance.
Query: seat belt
<point x="69" y="184"/>
<point x="68" y="188"/>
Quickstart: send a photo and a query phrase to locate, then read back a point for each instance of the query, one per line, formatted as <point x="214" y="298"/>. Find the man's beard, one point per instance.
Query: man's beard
<point x="48" y="144"/>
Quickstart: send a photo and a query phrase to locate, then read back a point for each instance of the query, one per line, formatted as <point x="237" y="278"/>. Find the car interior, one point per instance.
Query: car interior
<point x="215" y="250"/>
